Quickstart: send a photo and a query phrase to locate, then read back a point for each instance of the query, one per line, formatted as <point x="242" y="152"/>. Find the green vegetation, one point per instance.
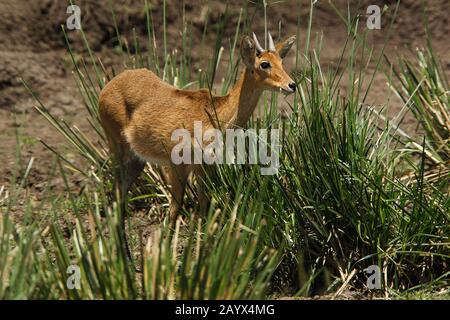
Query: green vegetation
<point x="353" y="190"/>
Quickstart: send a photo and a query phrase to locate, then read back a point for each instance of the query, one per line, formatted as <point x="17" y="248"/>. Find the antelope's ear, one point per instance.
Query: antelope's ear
<point x="283" y="47"/>
<point x="248" y="52"/>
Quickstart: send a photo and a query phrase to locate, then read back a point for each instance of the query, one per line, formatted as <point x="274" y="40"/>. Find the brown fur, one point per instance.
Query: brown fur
<point x="139" y="112"/>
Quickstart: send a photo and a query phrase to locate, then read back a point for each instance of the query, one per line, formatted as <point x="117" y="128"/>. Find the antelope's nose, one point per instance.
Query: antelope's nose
<point x="292" y="86"/>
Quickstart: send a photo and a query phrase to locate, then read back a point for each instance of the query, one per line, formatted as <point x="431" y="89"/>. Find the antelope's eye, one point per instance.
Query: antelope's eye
<point x="265" y="65"/>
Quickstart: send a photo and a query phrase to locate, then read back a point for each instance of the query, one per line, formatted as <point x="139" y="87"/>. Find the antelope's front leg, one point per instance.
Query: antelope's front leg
<point x="178" y="176"/>
<point x="203" y="199"/>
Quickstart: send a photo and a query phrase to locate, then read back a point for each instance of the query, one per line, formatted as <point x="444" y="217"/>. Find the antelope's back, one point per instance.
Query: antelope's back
<point x="124" y="94"/>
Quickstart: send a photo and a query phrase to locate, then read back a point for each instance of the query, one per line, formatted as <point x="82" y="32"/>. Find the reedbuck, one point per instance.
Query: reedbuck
<point x="139" y="112"/>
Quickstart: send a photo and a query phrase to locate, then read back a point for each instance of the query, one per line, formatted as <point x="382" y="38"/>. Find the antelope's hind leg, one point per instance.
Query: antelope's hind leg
<point x="133" y="169"/>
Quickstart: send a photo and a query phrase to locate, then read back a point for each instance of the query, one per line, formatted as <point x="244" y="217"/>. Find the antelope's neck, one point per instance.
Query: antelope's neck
<point x="240" y="102"/>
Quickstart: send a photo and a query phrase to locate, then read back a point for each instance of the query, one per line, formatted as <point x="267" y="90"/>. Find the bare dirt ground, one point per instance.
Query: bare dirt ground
<point x="32" y="48"/>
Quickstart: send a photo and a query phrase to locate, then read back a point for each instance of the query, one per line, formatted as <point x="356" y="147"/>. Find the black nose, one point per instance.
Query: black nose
<point x="292" y="86"/>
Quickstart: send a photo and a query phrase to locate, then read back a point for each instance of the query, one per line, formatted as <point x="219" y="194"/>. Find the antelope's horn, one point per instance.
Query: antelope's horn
<point x="271" y="44"/>
<point x="258" y="46"/>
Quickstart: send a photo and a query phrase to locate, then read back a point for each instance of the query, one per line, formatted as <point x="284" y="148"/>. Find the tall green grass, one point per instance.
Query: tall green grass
<point x="213" y="260"/>
<point x="424" y="88"/>
<point x="339" y="203"/>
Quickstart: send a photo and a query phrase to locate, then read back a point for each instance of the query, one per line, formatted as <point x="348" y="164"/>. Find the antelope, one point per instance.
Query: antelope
<point x="139" y="112"/>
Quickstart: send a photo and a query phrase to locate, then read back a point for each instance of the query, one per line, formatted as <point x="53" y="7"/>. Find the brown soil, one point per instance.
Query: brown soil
<point x="32" y="48"/>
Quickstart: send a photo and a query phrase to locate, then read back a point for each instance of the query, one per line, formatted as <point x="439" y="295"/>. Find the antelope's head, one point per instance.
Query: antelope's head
<point x="266" y="65"/>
